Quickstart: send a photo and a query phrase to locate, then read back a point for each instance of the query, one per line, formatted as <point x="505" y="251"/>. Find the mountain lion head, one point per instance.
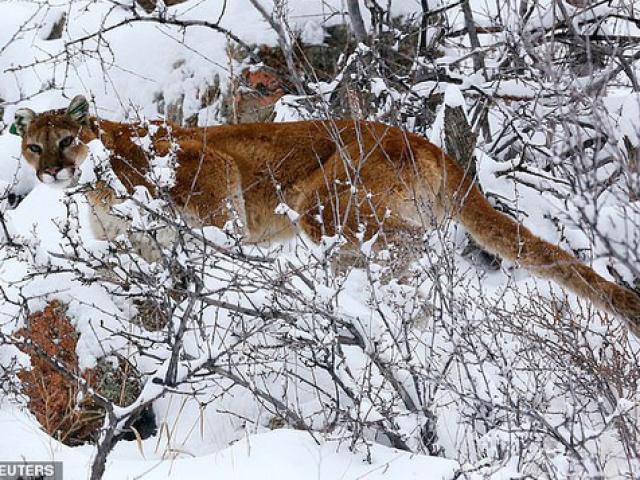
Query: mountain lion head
<point x="50" y="142"/>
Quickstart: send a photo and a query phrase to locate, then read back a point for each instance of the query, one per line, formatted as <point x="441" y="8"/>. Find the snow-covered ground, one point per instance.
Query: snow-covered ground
<point x="282" y="454"/>
<point x="146" y="61"/>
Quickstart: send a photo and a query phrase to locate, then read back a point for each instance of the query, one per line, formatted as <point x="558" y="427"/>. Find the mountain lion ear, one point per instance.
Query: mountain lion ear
<point x="23" y="117"/>
<point x="78" y="109"/>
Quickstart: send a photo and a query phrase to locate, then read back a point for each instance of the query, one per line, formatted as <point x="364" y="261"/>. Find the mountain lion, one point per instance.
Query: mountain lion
<point x="351" y="177"/>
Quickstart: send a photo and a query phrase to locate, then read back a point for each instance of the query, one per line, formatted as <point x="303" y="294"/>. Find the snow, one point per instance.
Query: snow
<point x="207" y="433"/>
<point x="282" y="454"/>
<point x="152" y="60"/>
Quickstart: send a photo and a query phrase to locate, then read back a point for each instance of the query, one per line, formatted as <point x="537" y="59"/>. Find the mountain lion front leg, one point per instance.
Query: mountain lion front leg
<point x="208" y="187"/>
<point x="210" y="196"/>
<point x="104" y="225"/>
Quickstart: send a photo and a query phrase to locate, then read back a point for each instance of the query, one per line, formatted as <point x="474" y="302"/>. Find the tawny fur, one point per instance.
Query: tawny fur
<point x="355" y="177"/>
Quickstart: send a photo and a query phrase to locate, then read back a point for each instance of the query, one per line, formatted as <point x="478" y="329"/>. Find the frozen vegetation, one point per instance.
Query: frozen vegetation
<point x="267" y="362"/>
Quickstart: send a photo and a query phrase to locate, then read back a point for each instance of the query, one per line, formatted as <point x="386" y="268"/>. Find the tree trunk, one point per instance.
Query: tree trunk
<point x="357" y="24"/>
<point x="478" y="60"/>
<point x="424" y="21"/>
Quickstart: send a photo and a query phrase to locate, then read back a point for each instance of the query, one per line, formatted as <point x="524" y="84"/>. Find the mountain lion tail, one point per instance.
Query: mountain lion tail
<point x="500" y="235"/>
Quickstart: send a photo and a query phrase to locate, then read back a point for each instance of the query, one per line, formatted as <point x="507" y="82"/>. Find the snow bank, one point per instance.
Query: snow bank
<point x="281" y="454"/>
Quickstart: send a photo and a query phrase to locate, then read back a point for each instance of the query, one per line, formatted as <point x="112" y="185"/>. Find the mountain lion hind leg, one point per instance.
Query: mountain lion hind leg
<point x="367" y="191"/>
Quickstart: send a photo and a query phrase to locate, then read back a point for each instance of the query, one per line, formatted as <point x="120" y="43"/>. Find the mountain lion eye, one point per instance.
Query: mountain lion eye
<point x="65" y="142"/>
<point x="35" y="148"/>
